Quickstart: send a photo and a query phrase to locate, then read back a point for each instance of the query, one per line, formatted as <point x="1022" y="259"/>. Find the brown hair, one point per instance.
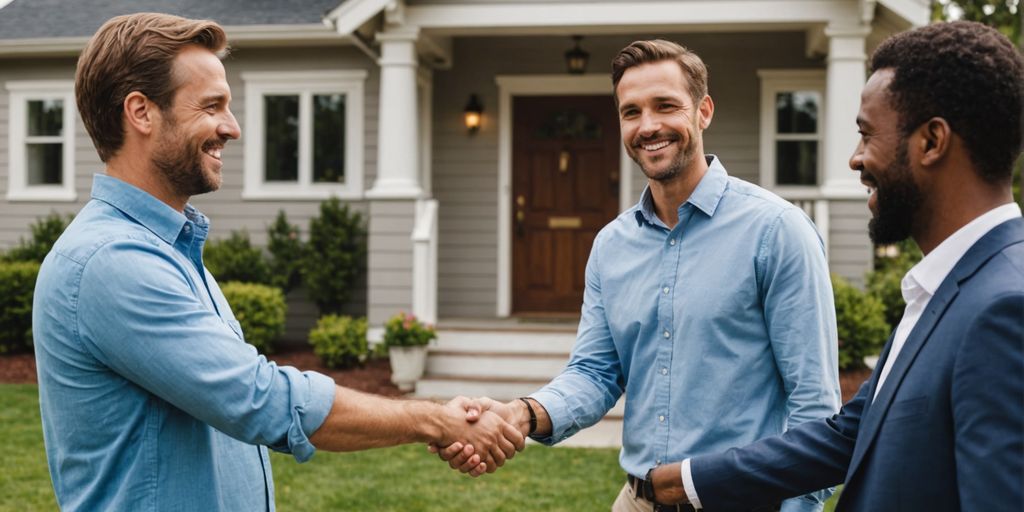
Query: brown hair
<point x="130" y="53"/>
<point x="655" y="50"/>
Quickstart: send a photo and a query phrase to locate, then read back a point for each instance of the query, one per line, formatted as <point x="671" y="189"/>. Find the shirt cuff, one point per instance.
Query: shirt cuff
<point x="558" y="412"/>
<point x="308" y="413"/>
<point x="691" y="491"/>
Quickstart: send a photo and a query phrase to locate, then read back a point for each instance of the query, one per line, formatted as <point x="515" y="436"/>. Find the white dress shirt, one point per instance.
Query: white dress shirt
<point x="917" y="287"/>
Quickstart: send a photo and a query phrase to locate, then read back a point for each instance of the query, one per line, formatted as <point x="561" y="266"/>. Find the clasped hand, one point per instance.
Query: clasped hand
<point x="483" y="436"/>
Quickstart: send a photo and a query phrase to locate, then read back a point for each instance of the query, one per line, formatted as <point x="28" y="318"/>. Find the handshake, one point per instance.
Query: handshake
<point x="483" y="433"/>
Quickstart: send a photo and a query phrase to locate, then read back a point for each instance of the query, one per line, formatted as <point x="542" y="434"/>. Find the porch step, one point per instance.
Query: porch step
<point x="504" y="363"/>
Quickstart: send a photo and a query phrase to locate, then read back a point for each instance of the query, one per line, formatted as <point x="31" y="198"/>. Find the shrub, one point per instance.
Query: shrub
<point x="285" y="249"/>
<point x="335" y="256"/>
<point x="404" y="330"/>
<point x="884" y="282"/>
<point x="45" y="232"/>
<point x="339" y="341"/>
<point x="235" y="259"/>
<point x="260" y="309"/>
<point x="860" y="318"/>
<point x="17" y="284"/>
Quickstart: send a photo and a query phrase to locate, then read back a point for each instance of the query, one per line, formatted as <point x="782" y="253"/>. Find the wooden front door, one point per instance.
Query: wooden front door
<point x="565" y="188"/>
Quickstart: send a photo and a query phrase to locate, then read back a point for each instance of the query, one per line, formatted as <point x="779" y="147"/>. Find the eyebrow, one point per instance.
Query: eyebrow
<point x="214" y="98"/>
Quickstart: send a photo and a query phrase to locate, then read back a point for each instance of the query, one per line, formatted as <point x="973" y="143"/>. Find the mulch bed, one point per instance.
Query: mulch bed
<point x="373" y="377"/>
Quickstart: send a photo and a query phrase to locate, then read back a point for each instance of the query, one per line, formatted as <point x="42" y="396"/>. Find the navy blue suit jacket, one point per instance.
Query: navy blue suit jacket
<point x="946" y="432"/>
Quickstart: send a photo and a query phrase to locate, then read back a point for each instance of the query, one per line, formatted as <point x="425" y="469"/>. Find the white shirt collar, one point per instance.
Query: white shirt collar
<point x="933" y="268"/>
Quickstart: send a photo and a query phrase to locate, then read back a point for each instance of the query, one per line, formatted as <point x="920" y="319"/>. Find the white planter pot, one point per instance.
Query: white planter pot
<point x="407" y="364"/>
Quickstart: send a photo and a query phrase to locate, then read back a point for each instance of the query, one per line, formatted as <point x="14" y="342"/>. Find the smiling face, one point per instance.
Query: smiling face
<point x="661" y="126"/>
<point x="194" y="129"/>
<point x="882" y="159"/>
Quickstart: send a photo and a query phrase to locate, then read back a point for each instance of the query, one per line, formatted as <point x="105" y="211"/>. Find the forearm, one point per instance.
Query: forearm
<point x="358" y="421"/>
<point x="521" y="417"/>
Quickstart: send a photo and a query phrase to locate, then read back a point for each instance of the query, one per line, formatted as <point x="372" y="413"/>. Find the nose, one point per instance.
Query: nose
<point x="649" y="124"/>
<point x="857" y="158"/>
<point x="229" y="128"/>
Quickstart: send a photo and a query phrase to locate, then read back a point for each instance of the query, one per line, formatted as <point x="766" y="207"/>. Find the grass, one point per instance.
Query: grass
<point x="402" y="478"/>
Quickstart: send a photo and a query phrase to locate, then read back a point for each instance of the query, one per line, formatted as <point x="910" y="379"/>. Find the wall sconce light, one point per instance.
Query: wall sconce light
<point x="472" y="114"/>
<point x="576" y="58"/>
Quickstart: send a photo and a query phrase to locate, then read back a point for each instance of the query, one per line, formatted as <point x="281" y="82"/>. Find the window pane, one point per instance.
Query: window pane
<point x="797" y="111"/>
<point x="45" y="117"/>
<point x="796" y="162"/>
<point x="281" y="144"/>
<point x="329" y="138"/>
<point x="45" y="163"/>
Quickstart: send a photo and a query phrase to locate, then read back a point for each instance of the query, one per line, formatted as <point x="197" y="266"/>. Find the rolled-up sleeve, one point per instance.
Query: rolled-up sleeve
<point x="139" y="315"/>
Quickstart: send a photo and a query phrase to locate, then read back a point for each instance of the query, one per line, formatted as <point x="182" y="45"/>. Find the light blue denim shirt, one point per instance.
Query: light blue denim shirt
<point x="720" y="331"/>
<point x="150" y="398"/>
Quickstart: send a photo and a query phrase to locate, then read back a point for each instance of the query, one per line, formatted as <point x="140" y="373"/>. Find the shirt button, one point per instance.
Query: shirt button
<point x="666" y="334"/>
<point x="187" y="228"/>
<point x="672" y="242"/>
<point x="664" y="290"/>
<point x="658" y="462"/>
<point x="661" y="418"/>
<point x="664" y="371"/>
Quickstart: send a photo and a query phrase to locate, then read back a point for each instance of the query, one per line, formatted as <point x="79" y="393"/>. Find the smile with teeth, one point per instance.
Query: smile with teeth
<point x="655" y="146"/>
<point x="213" y="152"/>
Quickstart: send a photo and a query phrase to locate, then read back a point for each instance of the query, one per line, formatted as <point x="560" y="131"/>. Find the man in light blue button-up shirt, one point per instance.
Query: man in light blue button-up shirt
<point x="708" y="304"/>
<point x="150" y="397"/>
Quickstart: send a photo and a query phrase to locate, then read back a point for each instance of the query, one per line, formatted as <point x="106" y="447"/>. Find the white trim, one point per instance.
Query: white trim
<point x="304" y="84"/>
<point x="634" y="15"/>
<point x="913" y="11"/>
<point x="19" y="94"/>
<point x="351" y="15"/>
<point x="536" y="85"/>
<point x="774" y="81"/>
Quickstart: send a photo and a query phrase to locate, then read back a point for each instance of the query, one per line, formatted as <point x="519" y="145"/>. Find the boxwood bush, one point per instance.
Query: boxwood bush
<point x="260" y="309"/>
<point x="860" y="318"/>
<point x="335" y="256"/>
<point x="45" y="231"/>
<point x="339" y="341"/>
<point x="235" y="259"/>
<point x="17" y="284"/>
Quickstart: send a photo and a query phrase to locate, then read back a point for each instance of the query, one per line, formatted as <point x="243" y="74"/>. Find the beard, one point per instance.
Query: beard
<point x="678" y="163"/>
<point x="899" y="200"/>
<point x="180" y="162"/>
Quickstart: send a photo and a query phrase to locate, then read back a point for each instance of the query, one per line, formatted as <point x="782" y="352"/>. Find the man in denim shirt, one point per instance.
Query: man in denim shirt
<point x="150" y="397"/>
<point x="708" y="303"/>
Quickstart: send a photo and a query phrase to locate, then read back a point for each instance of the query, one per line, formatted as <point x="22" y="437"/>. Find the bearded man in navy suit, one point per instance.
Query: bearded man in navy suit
<point x="940" y="424"/>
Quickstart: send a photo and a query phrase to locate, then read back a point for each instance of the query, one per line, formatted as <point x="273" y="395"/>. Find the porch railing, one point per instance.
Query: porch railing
<point x="424" y="261"/>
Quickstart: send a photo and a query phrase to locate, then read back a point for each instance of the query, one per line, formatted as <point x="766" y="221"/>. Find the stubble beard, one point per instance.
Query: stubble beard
<point x="899" y="201"/>
<point x="180" y="162"/>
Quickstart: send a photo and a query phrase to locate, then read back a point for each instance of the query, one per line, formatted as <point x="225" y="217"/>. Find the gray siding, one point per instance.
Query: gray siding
<point x="466" y="168"/>
<point x="390" y="266"/>
<point x="850" y="250"/>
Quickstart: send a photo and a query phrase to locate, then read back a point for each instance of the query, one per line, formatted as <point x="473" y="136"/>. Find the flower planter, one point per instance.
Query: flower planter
<point x="407" y="365"/>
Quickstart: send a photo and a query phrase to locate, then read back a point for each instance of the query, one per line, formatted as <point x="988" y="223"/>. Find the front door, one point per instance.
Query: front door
<point x="565" y="188"/>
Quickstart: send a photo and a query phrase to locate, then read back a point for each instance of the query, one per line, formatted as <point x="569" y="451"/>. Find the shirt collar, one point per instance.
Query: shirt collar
<point x="705" y="197"/>
<point x="164" y="221"/>
<point x="933" y="268"/>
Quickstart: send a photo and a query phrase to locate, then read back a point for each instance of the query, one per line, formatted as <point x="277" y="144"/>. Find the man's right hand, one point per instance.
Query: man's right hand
<point x="480" y="441"/>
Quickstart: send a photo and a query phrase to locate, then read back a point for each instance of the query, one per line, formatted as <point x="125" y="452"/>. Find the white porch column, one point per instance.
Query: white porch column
<point x="398" y="152"/>
<point x="845" y="76"/>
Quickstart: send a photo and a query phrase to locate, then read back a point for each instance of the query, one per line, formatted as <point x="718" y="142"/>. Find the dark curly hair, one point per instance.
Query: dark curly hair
<point x="968" y="74"/>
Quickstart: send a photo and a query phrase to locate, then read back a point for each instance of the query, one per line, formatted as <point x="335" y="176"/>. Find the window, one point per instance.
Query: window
<point x="41" y="135"/>
<point x="791" y="128"/>
<point x="303" y="135"/>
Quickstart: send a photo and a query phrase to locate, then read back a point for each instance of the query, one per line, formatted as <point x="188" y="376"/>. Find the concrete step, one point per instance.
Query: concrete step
<point x="496" y="365"/>
<point x="512" y="342"/>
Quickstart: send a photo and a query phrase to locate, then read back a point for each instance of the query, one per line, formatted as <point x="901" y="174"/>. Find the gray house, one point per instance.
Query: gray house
<point x="481" y="228"/>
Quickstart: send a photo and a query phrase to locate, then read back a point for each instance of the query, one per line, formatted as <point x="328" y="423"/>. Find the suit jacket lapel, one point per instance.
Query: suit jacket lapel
<point x="994" y="241"/>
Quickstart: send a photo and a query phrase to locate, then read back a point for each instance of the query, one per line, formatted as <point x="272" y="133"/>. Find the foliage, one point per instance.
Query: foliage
<point x="860" y="319"/>
<point x="404" y="330"/>
<point x="260" y="310"/>
<point x="235" y="259"/>
<point x="17" y="285"/>
<point x="339" y="341"/>
<point x="884" y="283"/>
<point x="335" y="256"/>
<point x="45" y="232"/>
<point x="1004" y="15"/>
<point x="285" y="249"/>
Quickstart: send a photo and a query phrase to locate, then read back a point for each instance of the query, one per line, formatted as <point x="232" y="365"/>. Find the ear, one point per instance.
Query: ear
<point x="706" y="109"/>
<point x="140" y="114"/>
<point x="935" y="138"/>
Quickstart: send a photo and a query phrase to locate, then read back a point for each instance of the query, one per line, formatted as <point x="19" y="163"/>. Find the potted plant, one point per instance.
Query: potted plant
<point x="406" y="339"/>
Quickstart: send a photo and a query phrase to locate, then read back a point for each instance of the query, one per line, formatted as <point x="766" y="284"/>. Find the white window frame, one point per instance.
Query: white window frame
<point x="305" y="84"/>
<point x="19" y="94"/>
<point x="772" y="83"/>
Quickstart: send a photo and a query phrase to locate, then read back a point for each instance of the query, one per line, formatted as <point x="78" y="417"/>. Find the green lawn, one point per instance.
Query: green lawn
<point x="403" y="478"/>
